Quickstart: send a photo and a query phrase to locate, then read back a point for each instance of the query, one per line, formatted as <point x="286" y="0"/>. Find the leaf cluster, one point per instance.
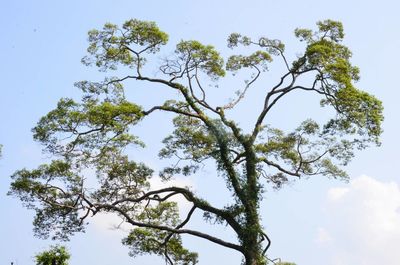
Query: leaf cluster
<point x="56" y="255"/>
<point x="197" y="56"/>
<point x="53" y="192"/>
<point x="358" y="113"/>
<point x="113" y="46"/>
<point x="92" y="127"/>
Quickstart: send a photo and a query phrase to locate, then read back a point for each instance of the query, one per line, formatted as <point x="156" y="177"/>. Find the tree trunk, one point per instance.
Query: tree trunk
<point x="254" y="258"/>
<point x="251" y="241"/>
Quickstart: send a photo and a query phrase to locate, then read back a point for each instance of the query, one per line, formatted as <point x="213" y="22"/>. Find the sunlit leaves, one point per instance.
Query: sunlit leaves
<point x="120" y="178"/>
<point x="56" y="255"/>
<point x="54" y="192"/>
<point x="306" y="151"/>
<point x="191" y="137"/>
<point x="113" y="46"/>
<point x="358" y="113"/>
<point x="304" y="34"/>
<point x="234" y="39"/>
<point x="326" y="54"/>
<point x="34" y="182"/>
<point x="148" y="241"/>
<point x="326" y="29"/>
<point x="84" y="129"/>
<point x="332" y="29"/>
<point x="202" y="57"/>
<point x="332" y="60"/>
<point x="257" y="59"/>
<point x="280" y="146"/>
<point x="111" y="89"/>
<point x="144" y="33"/>
<point x="163" y="243"/>
<point x="272" y="46"/>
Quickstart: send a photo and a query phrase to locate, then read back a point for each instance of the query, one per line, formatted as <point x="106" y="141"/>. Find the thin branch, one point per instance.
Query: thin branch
<point x="260" y="118"/>
<point x="200" y="86"/>
<point x="241" y="96"/>
<point x="268" y="244"/>
<point x="167" y="238"/>
<point x="202" y="102"/>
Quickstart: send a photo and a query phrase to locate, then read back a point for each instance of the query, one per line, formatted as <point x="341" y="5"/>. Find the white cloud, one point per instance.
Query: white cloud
<point x="335" y="194"/>
<point x="363" y="223"/>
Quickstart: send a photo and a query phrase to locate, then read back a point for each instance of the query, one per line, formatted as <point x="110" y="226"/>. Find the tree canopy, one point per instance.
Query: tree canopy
<point x="88" y="138"/>
<point x="56" y="255"/>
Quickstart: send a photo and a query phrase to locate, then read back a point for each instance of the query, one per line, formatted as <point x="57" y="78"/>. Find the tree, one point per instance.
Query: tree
<point x="56" y="255"/>
<point x="90" y="137"/>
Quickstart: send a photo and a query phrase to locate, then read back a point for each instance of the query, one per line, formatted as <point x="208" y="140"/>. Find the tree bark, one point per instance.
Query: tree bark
<point x="254" y="256"/>
<point x="251" y="241"/>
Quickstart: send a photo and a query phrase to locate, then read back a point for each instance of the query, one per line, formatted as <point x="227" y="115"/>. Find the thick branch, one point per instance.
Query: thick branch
<point x="169" y="229"/>
<point x="201" y="204"/>
<point x="266" y="161"/>
<point x="170" y="109"/>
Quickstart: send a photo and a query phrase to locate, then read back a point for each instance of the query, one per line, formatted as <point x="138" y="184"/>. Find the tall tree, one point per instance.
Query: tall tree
<point x="56" y="255"/>
<point x="92" y="136"/>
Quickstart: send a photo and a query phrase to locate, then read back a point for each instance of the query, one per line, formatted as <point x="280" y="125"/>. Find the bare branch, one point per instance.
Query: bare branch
<point x="232" y="104"/>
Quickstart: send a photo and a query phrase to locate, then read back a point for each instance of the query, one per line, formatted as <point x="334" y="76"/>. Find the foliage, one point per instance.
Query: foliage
<point x="91" y="137"/>
<point x="56" y="255"/>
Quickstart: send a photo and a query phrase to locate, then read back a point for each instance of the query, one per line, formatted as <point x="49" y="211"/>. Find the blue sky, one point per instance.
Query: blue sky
<point x="311" y="222"/>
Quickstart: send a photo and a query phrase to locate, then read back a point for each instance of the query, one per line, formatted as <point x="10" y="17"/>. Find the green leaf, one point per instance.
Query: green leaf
<point x="258" y="58"/>
<point x="113" y="46"/>
<point x="55" y="255"/>
<point x="203" y="57"/>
